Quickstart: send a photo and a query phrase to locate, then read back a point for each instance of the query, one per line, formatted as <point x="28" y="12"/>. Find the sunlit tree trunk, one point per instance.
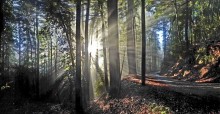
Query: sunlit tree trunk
<point x="104" y="47"/>
<point x="28" y="46"/>
<point x="55" y="58"/>
<point x="31" y="56"/>
<point x="177" y="24"/>
<point x="87" y="67"/>
<point x="90" y="82"/>
<point x="68" y="31"/>
<point x="69" y="39"/>
<point x="113" y="39"/>
<point x="143" y="62"/>
<point x="51" y="61"/>
<point x="131" y="39"/>
<point x="154" y="55"/>
<point x="164" y="39"/>
<point x="78" y="97"/>
<point x="49" y="64"/>
<point x="19" y="46"/>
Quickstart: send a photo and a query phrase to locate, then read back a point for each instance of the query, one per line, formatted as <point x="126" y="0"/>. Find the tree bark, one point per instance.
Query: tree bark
<point x="87" y="67"/>
<point x="113" y="37"/>
<point x="187" y="25"/>
<point x="38" y="54"/>
<point x="143" y="63"/>
<point x="1" y="39"/>
<point x="51" y="56"/>
<point x="164" y="39"/>
<point x="19" y="47"/>
<point x="131" y="39"/>
<point x="78" y="98"/>
<point x="104" y="47"/>
<point x="1" y="19"/>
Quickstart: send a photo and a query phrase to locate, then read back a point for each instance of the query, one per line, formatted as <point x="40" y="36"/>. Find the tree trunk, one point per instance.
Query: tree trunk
<point x="104" y="47"/>
<point x="187" y="25"/>
<point x="38" y="53"/>
<point x="143" y="63"/>
<point x="55" y="59"/>
<point x="131" y="39"/>
<point x="51" y="57"/>
<point x="19" y="47"/>
<point x="1" y="20"/>
<point x="50" y="62"/>
<point x="78" y="92"/>
<point x="3" y="59"/>
<point x="1" y="30"/>
<point x="29" y="46"/>
<point x="69" y="40"/>
<point x="164" y="39"/>
<point x="113" y="37"/>
<point x="87" y="67"/>
<point x="8" y="62"/>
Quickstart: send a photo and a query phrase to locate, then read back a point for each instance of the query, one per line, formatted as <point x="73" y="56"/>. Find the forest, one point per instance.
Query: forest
<point x="110" y="56"/>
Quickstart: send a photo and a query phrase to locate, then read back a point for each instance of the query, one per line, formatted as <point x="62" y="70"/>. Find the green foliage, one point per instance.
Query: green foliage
<point x="201" y="56"/>
<point x="159" y="109"/>
<point x="99" y="84"/>
<point x="67" y="68"/>
<point x="205" y="59"/>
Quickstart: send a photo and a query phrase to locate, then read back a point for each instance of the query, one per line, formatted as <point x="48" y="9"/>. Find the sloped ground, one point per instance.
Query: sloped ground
<point x="153" y="99"/>
<point x="202" y="65"/>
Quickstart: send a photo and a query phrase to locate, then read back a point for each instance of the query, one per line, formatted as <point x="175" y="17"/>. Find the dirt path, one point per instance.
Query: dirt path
<point x="184" y="87"/>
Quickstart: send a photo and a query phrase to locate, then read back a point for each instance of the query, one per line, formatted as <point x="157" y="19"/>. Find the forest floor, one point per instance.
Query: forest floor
<point x="154" y="98"/>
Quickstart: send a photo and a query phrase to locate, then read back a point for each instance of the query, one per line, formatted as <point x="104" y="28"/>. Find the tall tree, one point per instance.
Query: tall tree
<point x="1" y="18"/>
<point x="101" y="3"/>
<point x="1" y="30"/>
<point x="131" y="38"/>
<point x="78" y="97"/>
<point x="143" y="62"/>
<point x="164" y="38"/>
<point x="38" y="52"/>
<point x="113" y="37"/>
<point x="187" y="25"/>
<point x="19" y="49"/>
<point x="87" y="73"/>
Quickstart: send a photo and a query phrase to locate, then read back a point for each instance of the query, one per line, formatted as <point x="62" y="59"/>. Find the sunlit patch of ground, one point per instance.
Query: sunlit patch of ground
<point x="131" y="101"/>
<point x="149" y="80"/>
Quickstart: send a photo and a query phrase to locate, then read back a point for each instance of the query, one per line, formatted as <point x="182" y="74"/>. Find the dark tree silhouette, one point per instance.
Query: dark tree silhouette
<point x="113" y="37"/>
<point x="143" y="65"/>
<point x="78" y="97"/>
